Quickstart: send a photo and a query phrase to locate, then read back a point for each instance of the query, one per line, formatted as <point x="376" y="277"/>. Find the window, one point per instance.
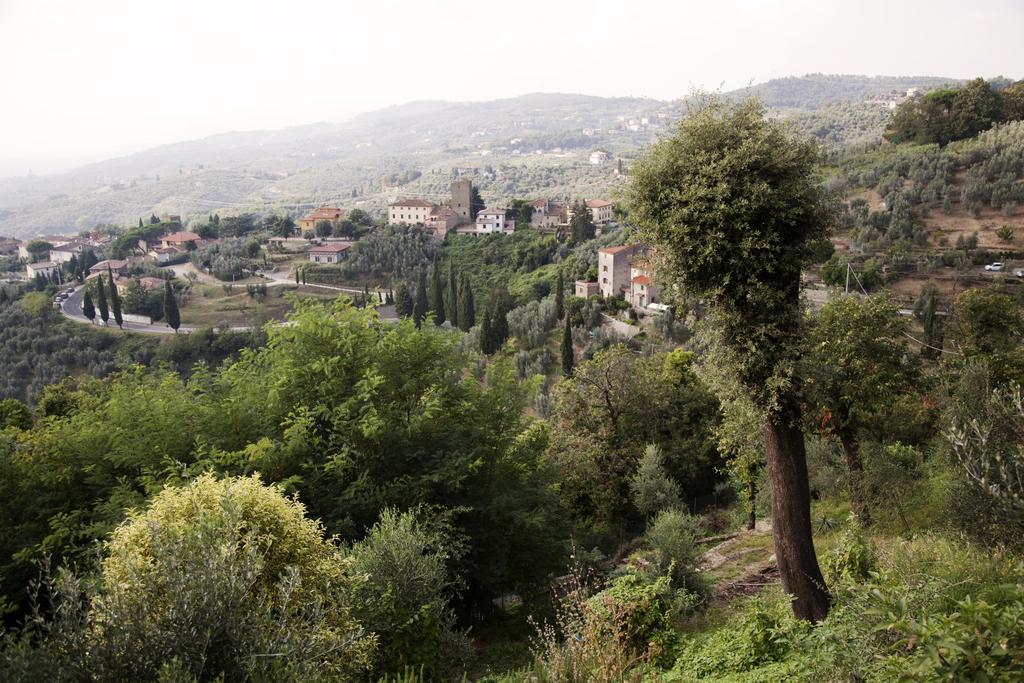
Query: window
<point x="604" y="268"/>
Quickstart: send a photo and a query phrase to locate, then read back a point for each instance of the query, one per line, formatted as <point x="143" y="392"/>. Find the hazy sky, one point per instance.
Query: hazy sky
<point x="89" y="79"/>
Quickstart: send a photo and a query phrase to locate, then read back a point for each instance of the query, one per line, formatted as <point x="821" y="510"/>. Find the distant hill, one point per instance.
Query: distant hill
<point x="543" y="138"/>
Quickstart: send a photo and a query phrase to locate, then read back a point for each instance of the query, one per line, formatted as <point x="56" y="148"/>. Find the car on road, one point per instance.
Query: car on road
<point x="994" y="267"/>
<point x="69" y="290"/>
<point x="1019" y="272"/>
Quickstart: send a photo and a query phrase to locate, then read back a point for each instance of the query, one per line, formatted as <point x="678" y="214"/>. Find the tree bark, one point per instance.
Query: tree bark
<point x="751" y="498"/>
<point x="791" y="517"/>
<point x="855" y="479"/>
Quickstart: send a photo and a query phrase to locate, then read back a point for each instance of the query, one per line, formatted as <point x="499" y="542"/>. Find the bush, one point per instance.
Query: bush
<point x="531" y="324"/>
<point x="672" y="536"/>
<point x="207" y="578"/>
<point x="405" y="597"/>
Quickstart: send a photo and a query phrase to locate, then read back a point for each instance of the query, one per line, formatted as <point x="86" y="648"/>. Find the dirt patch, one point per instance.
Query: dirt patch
<point x="750" y="584"/>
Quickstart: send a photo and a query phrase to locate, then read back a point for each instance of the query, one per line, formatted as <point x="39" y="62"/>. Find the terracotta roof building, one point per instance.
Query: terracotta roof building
<point x="328" y="253"/>
<point x="331" y="214"/>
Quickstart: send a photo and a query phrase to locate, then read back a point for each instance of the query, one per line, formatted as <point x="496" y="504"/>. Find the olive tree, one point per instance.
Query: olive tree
<point x="734" y="207"/>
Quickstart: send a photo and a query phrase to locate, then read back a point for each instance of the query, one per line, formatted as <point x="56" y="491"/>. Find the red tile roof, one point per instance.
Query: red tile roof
<point x="597" y="203"/>
<point x="642" y="280"/>
<point x="183" y="236"/>
<point x="330" y="249"/>
<point x="412" y="202"/>
<point x="325" y="213"/>
<point x="616" y="250"/>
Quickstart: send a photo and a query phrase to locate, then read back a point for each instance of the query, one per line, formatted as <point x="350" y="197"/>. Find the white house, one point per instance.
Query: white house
<point x="62" y="253"/>
<point x="45" y="268"/>
<point x="491" y="221"/>
<point x="333" y="252"/>
<point x="613" y="269"/>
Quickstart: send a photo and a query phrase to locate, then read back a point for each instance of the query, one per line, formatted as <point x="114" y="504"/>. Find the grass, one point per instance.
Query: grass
<point x="215" y="304"/>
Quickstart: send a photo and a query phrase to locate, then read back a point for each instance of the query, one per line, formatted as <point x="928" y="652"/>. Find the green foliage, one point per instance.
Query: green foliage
<point x="14" y="413"/>
<point x="404" y="599"/>
<point x="651" y="488"/>
<point x="945" y="115"/>
<point x="171" y="314"/>
<point x="854" y="557"/>
<point x="672" y="535"/>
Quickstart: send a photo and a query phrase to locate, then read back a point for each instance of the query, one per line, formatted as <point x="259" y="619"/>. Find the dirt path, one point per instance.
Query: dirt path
<point x="743" y="564"/>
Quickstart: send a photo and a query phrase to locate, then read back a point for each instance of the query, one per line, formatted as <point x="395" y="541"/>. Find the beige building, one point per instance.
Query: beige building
<point x="44" y="268"/>
<point x="600" y="210"/>
<point x="181" y="240"/>
<point x="585" y="290"/>
<point x="441" y="220"/>
<point x="410" y="212"/>
<point x="547" y="215"/>
<point x="62" y="253"/>
<point x="613" y="269"/>
<point x="331" y="214"/>
<point x="643" y="290"/>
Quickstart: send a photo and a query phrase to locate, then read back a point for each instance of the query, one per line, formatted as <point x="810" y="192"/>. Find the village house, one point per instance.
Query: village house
<point x="613" y="269"/>
<point x="600" y="210"/>
<point x="331" y="214"/>
<point x="585" y="290"/>
<point x="599" y="157"/>
<point x="117" y="266"/>
<point x="163" y="254"/>
<point x="643" y="290"/>
<point x="410" y="212"/>
<point x="490" y="221"/>
<point x="62" y="253"/>
<point x="332" y="252"/>
<point x="181" y="240"/>
<point x="45" y="268"/>
<point x="547" y="215"/>
<point x="441" y="220"/>
<point x="8" y="246"/>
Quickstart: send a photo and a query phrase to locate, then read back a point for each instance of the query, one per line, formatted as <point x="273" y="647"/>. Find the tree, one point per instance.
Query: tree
<point x="115" y="299"/>
<point x="153" y="220"/>
<point x="38" y="249"/>
<point x="420" y="304"/>
<point x="476" y="202"/>
<point x="323" y="229"/>
<point x="403" y="301"/>
<point x="140" y="222"/>
<point x="101" y="299"/>
<point x="171" y="315"/>
<point x="437" y="293"/>
<point x="856" y="365"/>
<point x="651" y="487"/>
<point x="14" y="413"/>
<point x="581" y="225"/>
<point x="467" y="310"/>
<point x="88" y="310"/>
<point x="925" y="310"/>
<point x="560" y="295"/>
<point x="733" y="204"/>
<point x="568" y="355"/>
<point x="452" y="305"/>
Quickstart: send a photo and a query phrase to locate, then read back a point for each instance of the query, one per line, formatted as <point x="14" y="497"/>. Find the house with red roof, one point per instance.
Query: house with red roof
<point x="181" y="240"/>
<point x="410" y="212"/>
<point x="331" y="214"/>
<point x="332" y="252"/>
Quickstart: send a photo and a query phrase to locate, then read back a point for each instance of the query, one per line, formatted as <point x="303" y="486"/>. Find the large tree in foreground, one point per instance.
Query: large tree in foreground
<point x="733" y="205"/>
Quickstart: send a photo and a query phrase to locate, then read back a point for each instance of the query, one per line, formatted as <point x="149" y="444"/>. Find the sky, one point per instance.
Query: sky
<point x="85" y="80"/>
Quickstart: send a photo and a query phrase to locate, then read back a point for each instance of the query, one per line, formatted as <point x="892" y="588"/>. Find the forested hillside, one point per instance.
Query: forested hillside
<point x="297" y="168"/>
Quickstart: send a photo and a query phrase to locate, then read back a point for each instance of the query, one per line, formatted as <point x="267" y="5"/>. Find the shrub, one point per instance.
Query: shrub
<point x="672" y="536"/>
<point x="220" y="578"/>
<point x="531" y="324"/>
<point x="405" y="597"/>
<point x="853" y="559"/>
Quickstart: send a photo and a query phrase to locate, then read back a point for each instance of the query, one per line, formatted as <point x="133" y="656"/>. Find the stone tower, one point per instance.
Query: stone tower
<point x="461" y="196"/>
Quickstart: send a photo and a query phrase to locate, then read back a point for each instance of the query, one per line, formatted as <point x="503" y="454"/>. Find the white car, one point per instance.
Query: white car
<point x="1019" y="272"/>
<point x="994" y="267"/>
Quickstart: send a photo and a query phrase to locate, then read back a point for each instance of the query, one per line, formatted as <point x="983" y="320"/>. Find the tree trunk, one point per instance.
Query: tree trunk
<point x="855" y="479"/>
<point x="791" y="517"/>
<point x="751" y="498"/>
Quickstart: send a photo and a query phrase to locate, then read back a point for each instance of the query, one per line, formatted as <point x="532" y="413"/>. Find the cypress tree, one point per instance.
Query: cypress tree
<point x="467" y="314"/>
<point x="403" y="301"/>
<point x="560" y="295"/>
<point x="487" y="333"/>
<point x="88" y="310"/>
<point x="419" y="307"/>
<point x="101" y="300"/>
<point x="171" y="314"/>
<point x="296" y="276"/>
<point x="437" y="294"/>
<point x="568" y="357"/>
<point x="140" y="222"/>
<point x="452" y="307"/>
<point x="499" y="320"/>
<point x="115" y="300"/>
